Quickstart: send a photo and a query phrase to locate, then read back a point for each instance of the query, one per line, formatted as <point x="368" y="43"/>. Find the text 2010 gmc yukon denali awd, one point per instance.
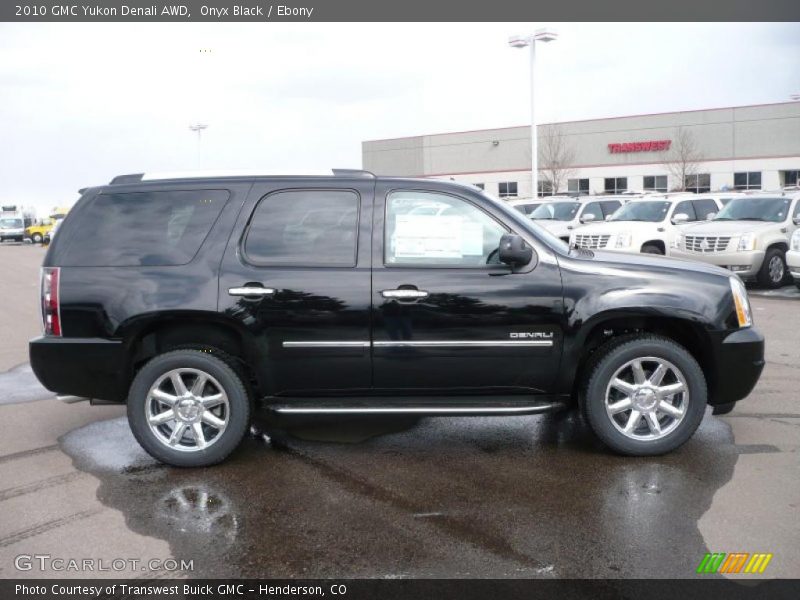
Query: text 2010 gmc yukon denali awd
<point x="196" y="299"/>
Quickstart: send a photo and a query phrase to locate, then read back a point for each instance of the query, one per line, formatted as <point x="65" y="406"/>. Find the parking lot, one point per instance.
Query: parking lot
<point x="533" y="496"/>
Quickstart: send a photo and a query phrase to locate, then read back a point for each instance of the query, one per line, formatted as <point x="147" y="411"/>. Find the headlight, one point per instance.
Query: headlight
<point x="747" y="242"/>
<point x="796" y="241"/>
<point x="623" y="240"/>
<point x="740" y="301"/>
<point x="677" y="241"/>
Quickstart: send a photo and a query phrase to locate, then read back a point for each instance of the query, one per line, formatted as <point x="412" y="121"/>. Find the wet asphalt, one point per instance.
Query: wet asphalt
<point x="533" y="496"/>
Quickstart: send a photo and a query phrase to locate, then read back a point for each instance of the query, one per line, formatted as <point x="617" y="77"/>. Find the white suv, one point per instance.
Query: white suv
<point x="750" y="237"/>
<point x="793" y="256"/>
<point x="561" y="215"/>
<point x="526" y="205"/>
<point x="646" y="224"/>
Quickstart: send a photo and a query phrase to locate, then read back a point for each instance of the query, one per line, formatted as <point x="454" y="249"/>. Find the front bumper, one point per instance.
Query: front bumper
<point x="85" y="367"/>
<point x="739" y="358"/>
<point x="745" y="264"/>
<point x="793" y="262"/>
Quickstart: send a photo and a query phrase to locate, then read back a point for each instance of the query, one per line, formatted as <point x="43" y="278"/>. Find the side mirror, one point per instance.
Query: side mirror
<point x="710" y="216"/>
<point x="608" y="217"/>
<point x="796" y="220"/>
<point x="680" y="218"/>
<point x="588" y="218"/>
<point x="514" y="251"/>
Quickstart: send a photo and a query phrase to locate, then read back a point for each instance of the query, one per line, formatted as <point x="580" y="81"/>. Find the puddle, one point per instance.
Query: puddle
<point x="439" y="497"/>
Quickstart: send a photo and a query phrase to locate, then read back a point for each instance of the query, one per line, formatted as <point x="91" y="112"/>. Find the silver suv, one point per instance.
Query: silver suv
<point x="749" y="236"/>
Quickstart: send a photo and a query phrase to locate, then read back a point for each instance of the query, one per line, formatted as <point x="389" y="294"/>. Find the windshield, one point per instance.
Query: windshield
<point x="650" y="211"/>
<point x="11" y="223"/>
<point x="754" y="209"/>
<point x="556" y="211"/>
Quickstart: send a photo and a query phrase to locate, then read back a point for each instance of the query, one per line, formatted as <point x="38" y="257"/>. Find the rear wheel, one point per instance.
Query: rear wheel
<point x="773" y="269"/>
<point x="188" y="408"/>
<point x="645" y="395"/>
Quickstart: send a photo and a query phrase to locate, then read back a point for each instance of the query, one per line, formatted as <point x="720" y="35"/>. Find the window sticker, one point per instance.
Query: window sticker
<point x="428" y="236"/>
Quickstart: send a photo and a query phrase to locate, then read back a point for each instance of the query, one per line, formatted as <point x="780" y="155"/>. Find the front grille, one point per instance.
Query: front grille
<point x="591" y="241"/>
<point x="706" y="243"/>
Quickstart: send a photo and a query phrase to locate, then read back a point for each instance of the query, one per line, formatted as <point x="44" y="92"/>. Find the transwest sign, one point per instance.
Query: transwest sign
<point x="649" y="146"/>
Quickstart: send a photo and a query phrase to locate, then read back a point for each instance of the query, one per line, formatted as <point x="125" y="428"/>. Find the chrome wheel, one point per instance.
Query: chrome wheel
<point x="776" y="269"/>
<point x="647" y="398"/>
<point x="187" y="409"/>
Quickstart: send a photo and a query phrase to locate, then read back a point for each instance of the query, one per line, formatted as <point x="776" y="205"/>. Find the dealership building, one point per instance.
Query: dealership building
<point x="742" y="147"/>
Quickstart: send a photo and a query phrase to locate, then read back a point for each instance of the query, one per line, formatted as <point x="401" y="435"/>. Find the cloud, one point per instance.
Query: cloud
<point x="84" y="102"/>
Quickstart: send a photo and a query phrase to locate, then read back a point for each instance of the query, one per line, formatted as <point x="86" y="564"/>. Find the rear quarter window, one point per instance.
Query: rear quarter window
<point x="159" y="228"/>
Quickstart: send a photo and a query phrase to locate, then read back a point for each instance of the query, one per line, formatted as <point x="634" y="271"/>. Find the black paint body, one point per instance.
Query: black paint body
<point x="115" y="318"/>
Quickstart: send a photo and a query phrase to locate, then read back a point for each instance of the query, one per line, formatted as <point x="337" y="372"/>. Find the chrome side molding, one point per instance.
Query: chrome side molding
<point x="461" y="343"/>
<point x="326" y="344"/>
<point x="418" y="344"/>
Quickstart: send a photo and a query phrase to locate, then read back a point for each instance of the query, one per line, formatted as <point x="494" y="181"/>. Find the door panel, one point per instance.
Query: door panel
<point x="470" y="326"/>
<point x="307" y="253"/>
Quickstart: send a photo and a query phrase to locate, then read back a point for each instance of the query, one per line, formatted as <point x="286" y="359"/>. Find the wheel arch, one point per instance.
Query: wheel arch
<point x="162" y="332"/>
<point x="605" y="327"/>
<point x="660" y="244"/>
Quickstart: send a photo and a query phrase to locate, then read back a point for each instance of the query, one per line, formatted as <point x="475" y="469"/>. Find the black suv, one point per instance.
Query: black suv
<point x="195" y="300"/>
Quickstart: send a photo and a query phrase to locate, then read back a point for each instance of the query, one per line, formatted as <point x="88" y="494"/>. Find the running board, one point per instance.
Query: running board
<point x="383" y="406"/>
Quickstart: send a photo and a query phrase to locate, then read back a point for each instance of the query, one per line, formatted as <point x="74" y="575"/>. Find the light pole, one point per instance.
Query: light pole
<point x="198" y="128"/>
<point x="529" y="41"/>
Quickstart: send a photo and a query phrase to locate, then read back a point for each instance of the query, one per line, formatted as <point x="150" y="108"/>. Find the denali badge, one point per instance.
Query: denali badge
<point x="534" y="335"/>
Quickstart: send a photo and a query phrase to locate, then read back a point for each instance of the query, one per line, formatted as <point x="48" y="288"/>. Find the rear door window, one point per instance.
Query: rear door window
<point x="685" y="208"/>
<point x="156" y="228"/>
<point x="610" y="207"/>
<point x="705" y="207"/>
<point x="593" y="208"/>
<point x="304" y="227"/>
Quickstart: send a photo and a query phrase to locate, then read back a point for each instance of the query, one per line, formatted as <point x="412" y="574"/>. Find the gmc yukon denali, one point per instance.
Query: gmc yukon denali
<point x="197" y="300"/>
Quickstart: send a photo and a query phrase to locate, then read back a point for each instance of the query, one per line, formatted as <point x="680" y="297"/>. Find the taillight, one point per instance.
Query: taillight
<point x="51" y="308"/>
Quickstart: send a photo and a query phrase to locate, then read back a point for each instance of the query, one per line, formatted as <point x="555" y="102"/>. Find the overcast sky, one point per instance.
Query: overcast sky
<point x="80" y="103"/>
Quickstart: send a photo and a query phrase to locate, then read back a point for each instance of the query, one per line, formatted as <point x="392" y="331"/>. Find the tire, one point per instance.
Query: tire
<point x="223" y="416"/>
<point x="797" y="283"/>
<point x="651" y="249"/>
<point x="773" y="270"/>
<point x="36" y="238"/>
<point x="613" y="361"/>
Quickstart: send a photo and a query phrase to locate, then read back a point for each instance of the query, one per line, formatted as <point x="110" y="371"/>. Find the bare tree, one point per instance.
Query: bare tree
<point x="556" y="157"/>
<point x="683" y="158"/>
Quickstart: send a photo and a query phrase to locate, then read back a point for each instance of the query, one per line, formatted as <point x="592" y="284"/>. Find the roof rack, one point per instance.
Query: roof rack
<point x="138" y="177"/>
<point x="353" y="173"/>
<point x="130" y="178"/>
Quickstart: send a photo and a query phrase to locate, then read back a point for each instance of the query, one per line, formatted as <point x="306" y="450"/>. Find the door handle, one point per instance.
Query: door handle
<point x="405" y="294"/>
<point x="250" y="290"/>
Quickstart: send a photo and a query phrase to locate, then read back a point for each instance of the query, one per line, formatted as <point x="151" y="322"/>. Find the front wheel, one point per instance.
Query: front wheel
<point x="188" y="408"/>
<point x="36" y="238"/>
<point x="773" y="269"/>
<point x="645" y="395"/>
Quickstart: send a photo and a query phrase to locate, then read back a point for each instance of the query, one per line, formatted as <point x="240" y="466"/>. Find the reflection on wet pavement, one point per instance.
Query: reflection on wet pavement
<point x="449" y="497"/>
